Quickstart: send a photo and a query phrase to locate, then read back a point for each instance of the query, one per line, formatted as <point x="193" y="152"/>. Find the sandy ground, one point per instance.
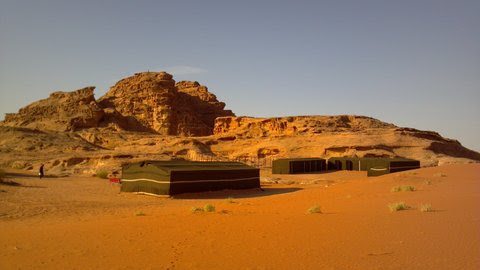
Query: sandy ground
<point x="85" y="223"/>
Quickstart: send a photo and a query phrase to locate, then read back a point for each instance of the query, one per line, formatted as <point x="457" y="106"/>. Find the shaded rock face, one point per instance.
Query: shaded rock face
<point x="145" y="98"/>
<point x="161" y="106"/>
<point x="294" y="125"/>
<point x="61" y="111"/>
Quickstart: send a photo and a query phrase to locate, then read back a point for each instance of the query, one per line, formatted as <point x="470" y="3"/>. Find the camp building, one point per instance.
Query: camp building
<point x="180" y="176"/>
<point x="298" y="165"/>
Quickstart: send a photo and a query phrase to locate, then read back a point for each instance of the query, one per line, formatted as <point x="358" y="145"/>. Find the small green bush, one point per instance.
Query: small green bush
<point x="426" y="208"/>
<point x="102" y="174"/>
<point x="403" y="188"/>
<point x="209" y="208"/>
<point x="314" y="210"/>
<point x="398" y="206"/>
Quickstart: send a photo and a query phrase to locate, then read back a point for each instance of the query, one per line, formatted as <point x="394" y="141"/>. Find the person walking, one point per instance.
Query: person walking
<point x="40" y="171"/>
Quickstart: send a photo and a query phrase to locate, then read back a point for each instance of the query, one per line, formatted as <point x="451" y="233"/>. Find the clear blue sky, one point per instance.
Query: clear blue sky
<point x="412" y="63"/>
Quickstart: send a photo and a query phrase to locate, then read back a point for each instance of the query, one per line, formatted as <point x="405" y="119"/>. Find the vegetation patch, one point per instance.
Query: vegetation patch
<point x="209" y="208"/>
<point x="403" y="188"/>
<point x="316" y="209"/>
<point x="230" y="200"/>
<point x="426" y="207"/>
<point x="398" y="206"/>
<point x="196" y="209"/>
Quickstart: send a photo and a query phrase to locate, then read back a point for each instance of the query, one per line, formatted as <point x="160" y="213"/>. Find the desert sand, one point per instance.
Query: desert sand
<point x="85" y="223"/>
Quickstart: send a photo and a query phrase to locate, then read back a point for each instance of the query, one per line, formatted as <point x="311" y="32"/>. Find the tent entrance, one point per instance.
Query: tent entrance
<point x="349" y="165"/>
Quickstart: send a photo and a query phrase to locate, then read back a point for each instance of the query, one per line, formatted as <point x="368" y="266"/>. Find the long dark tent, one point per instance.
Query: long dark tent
<point x="298" y="165"/>
<point x="381" y="166"/>
<point x="175" y="177"/>
<point x="373" y="165"/>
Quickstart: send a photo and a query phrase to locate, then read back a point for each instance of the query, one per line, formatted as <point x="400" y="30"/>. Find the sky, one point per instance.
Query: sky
<point x="413" y="63"/>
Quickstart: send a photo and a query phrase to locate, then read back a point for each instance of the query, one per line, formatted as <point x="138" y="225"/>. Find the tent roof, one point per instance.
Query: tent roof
<point x="185" y="165"/>
<point x="298" y="159"/>
<point x="373" y="158"/>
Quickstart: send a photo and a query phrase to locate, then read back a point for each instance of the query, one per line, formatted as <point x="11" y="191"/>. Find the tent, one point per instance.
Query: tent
<point x="382" y="166"/>
<point x="180" y="176"/>
<point x="298" y="165"/>
<point x="373" y="166"/>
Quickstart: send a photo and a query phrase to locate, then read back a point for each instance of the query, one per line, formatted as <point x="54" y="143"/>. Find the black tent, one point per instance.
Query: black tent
<point x="175" y="177"/>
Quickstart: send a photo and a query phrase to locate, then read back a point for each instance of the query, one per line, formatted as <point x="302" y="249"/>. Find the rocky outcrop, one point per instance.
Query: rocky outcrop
<point x="61" y="111"/>
<point x="145" y="102"/>
<point x="197" y="109"/>
<point x="262" y="127"/>
<point x="159" y="105"/>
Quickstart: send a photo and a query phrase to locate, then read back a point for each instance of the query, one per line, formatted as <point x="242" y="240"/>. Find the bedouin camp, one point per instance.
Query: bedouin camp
<point x="373" y="166"/>
<point x="298" y="165"/>
<point x="179" y="176"/>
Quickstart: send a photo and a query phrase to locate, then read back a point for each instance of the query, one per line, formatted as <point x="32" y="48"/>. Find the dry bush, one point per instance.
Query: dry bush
<point x="426" y="207"/>
<point x="403" y="188"/>
<point x="209" y="208"/>
<point x="316" y="209"/>
<point x="398" y="206"/>
<point x="102" y="174"/>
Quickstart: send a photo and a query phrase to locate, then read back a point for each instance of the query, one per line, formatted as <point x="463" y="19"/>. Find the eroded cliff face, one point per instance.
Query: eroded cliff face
<point x="61" y="111"/>
<point x="295" y="125"/>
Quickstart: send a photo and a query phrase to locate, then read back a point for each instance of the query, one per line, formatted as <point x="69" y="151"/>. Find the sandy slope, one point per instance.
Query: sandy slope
<point x="84" y="223"/>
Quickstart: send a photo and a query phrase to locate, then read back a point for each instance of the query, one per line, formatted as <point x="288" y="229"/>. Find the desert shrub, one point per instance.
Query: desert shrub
<point x="403" y="188"/>
<point x="314" y="210"/>
<point x="102" y="174"/>
<point x="196" y="209"/>
<point x="398" y="206"/>
<point x="209" y="208"/>
<point x="230" y="200"/>
<point x="428" y="182"/>
<point x="426" y="208"/>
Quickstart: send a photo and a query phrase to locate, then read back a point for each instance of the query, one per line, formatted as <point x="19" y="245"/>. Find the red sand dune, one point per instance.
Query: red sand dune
<point x="84" y="223"/>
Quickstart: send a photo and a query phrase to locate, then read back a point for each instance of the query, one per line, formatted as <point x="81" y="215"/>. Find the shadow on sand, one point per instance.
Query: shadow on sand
<point x="26" y="175"/>
<point x="237" y="194"/>
<point x="11" y="183"/>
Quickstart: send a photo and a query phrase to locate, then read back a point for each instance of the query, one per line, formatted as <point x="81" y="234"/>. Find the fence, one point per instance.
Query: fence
<point x="253" y="161"/>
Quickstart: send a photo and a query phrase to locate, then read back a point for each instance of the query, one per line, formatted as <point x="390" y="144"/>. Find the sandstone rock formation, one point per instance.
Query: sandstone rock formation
<point x="61" y="111"/>
<point x="159" y="105"/>
<point x="147" y="102"/>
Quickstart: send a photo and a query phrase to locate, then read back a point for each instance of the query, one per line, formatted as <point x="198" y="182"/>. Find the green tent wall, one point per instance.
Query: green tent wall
<point x="298" y="165"/>
<point x="176" y="177"/>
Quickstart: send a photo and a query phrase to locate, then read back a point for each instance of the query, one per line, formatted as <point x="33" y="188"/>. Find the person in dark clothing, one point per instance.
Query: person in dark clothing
<point x="40" y="171"/>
